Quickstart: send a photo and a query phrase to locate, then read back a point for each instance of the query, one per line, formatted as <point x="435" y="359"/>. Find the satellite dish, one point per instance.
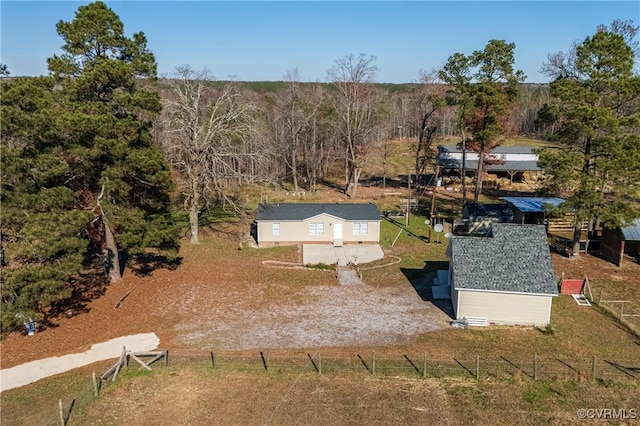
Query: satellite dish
<point x="438" y="227"/>
<point x="426" y="222"/>
<point x="448" y="235"/>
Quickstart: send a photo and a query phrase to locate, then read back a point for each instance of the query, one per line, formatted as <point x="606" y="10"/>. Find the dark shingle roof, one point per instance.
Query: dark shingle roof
<point x="297" y="211"/>
<point x="514" y="259"/>
<point x="632" y="232"/>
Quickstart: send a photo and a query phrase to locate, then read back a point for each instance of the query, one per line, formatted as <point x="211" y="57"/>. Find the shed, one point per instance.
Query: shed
<point x="618" y="242"/>
<point x="302" y="223"/>
<point x="506" y="277"/>
<point x="531" y="210"/>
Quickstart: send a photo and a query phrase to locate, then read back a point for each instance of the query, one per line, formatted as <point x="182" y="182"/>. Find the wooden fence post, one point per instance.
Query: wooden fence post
<point x="535" y="366"/>
<point x="477" y="367"/>
<point x="166" y="358"/>
<point x="593" y="369"/>
<point x="95" y="385"/>
<point x="373" y="364"/>
<point x="62" y="422"/>
<point x="319" y="362"/>
<point x="265" y="361"/>
<point x="213" y="360"/>
<point x="424" y="366"/>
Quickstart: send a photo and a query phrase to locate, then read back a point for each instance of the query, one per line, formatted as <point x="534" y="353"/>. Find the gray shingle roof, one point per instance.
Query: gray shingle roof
<point x="514" y="259"/>
<point x="299" y="211"/>
<point x="632" y="232"/>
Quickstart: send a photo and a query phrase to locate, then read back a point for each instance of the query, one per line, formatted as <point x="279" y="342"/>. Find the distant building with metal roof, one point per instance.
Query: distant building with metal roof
<point x="504" y="158"/>
<point x="618" y="243"/>
<point x="632" y="232"/>
<point x="506" y="277"/>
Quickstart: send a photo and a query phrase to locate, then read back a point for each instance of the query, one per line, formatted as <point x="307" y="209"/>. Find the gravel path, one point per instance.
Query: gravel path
<point x="33" y="371"/>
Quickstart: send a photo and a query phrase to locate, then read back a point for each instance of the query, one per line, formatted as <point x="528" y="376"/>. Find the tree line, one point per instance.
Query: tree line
<point x="100" y="155"/>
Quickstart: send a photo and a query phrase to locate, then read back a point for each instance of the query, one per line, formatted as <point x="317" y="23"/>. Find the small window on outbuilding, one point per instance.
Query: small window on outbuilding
<point x="276" y="229"/>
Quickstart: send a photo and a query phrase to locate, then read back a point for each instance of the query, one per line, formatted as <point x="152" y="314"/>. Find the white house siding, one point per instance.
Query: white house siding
<point x="297" y="232"/>
<point x="503" y="308"/>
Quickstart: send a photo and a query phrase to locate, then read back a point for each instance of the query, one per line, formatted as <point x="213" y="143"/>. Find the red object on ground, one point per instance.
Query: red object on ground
<point x="572" y="287"/>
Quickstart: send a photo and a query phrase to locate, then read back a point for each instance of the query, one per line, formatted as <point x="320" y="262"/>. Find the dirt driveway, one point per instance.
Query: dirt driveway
<point x="323" y="315"/>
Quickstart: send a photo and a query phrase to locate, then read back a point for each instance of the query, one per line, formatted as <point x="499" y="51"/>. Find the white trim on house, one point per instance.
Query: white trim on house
<point x="504" y="292"/>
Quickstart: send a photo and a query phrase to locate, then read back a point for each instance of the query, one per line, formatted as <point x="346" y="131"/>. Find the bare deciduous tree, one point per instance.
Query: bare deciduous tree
<point x="206" y="137"/>
<point x="356" y="104"/>
<point x="430" y="102"/>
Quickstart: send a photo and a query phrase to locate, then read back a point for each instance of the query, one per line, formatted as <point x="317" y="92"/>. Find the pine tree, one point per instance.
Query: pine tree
<point x="484" y="85"/>
<point x="82" y="176"/>
<point x="597" y="96"/>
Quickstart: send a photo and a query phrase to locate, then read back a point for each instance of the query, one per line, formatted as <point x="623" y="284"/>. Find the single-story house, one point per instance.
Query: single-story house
<point x="298" y="223"/>
<point x="618" y="242"/>
<point x="532" y="210"/>
<point x="478" y="217"/>
<point x="506" y="277"/>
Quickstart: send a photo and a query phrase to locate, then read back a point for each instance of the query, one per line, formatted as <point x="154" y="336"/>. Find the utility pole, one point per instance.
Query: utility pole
<point x="409" y="199"/>
<point x="433" y="201"/>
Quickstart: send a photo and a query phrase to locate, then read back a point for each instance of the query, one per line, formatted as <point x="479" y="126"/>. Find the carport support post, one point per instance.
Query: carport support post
<point x="433" y="202"/>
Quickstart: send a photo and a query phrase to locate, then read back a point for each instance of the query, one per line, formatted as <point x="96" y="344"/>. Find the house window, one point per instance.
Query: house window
<point x="316" y="228"/>
<point x="361" y="228"/>
<point x="276" y="229"/>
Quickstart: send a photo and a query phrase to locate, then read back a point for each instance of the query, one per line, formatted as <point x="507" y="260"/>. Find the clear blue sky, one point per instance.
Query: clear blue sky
<point x="263" y="40"/>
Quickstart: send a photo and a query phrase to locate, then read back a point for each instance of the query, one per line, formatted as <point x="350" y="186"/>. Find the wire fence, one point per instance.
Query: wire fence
<point x="596" y="370"/>
<point x="625" y="310"/>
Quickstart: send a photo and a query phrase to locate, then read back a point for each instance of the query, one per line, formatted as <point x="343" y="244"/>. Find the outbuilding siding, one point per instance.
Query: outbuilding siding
<point x="504" y="308"/>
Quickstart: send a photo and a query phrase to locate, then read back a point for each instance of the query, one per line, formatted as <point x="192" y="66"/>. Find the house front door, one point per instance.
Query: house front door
<point x="337" y="234"/>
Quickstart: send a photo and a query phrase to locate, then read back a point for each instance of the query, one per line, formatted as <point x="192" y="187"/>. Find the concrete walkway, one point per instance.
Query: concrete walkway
<point x="30" y="372"/>
<point x="348" y="276"/>
<point x="349" y="253"/>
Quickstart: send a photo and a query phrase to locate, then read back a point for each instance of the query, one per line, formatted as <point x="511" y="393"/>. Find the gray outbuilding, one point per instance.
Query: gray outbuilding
<point x="506" y="277"/>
